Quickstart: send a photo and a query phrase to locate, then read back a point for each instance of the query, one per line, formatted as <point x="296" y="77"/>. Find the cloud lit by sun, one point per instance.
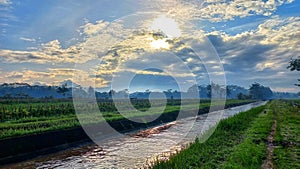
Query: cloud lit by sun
<point x="160" y="44"/>
<point x="166" y="25"/>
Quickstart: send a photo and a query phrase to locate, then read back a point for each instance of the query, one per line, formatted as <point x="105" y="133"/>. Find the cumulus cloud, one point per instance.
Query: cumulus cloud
<point x="97" y="40"/>
<point x="179" y="60"/>
<point x="90" y="28"/>
<point x="52" y="76"/>
<point x="216" y="10"/>
<point x="50" y="52"/>
<point x="138" y="48"/>
<point x="118" y="46"/>
<point x="260" y="54"/>
<point x="269" y="46"/>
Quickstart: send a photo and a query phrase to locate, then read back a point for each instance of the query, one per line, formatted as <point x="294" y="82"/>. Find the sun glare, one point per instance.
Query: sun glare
<point x="167" y="25"/>
<point x="160" y="44"/>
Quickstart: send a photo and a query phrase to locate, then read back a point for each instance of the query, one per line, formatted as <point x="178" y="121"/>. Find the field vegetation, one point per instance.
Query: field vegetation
<point x="21" y="117"/>
<point x="245" y="140"/>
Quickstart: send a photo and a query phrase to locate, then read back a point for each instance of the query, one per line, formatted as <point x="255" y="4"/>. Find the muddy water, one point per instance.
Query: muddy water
<point x="135" y="150"/>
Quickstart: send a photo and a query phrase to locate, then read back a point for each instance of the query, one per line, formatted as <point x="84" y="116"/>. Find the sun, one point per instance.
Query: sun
<point x="159" y="44"/>
<point x="167" y="25"/>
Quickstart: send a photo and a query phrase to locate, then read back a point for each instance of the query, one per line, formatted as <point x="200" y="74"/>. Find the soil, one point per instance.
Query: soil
<point x="268" y="164"/>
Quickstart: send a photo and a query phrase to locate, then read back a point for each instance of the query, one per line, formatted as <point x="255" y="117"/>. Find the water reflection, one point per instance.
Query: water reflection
<point x="135" y="151"/>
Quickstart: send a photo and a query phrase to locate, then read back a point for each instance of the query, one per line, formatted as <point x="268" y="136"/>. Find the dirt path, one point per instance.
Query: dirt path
<point x="268" y="164"/>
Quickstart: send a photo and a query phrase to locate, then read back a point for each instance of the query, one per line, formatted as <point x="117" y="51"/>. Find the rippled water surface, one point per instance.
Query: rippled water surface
<point x="134" y="152"/>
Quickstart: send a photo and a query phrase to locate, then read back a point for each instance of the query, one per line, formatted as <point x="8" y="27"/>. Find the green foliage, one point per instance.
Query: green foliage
<point x="240" y="141"/>
<point x="260" y="92"/>
<point x="242" y="96"/>
<point x="287" y="137"/>
<point x="217" y="150"/>
<point x="294" y="64"/>
<point x="251" y="152"/>
<point x="35" y="117"/>
<point x="217" y="90"/>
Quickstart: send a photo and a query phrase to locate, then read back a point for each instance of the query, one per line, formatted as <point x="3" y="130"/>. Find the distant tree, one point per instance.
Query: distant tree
<point x="242" y="96"/>
<point x="258" y="91"/>
<point x="123" y="93"/>
<point x="216" y="89"/>
<point x="7" y="96"/>
<point x="193" y="91"/>
<point x="91" y="91"/>
<point x="228" y="91"/>
<point x="126" y="93"/>
<point x="111" y="93"/>
<point x="105" y="95"/>
<point x="168" y="93"/>
<point x="63" y="89"/>
<point x="295" y="65"/>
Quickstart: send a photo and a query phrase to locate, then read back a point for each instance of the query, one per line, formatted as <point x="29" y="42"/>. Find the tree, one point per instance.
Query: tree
<point x="91" y="91"/>
<point x="193" y="92"/>
<point x="216" y="89"/>
<point x="122" y="94"/>
<point x="260" y="92"/>
<point x="242" y="96"/>
<point x="228" y="91"/>
<point x="111" y="93"/>
<point x="62" y="89"/>
<point x="295" y="65"/>
<point x="105" y="95"/>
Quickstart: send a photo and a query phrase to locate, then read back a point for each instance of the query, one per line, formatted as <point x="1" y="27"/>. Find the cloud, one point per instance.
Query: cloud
<point x="216" y="10"/>
<point x="50" y="52"/>
<point x="52" y="76"/>
<point x="90" y="28"/>
<point x="135" y="54"/>
<point x="228" y="10"/>
<point x="5" y="2"/>
<point x="119" y="47"/>
<point x="97" y="39"/>
<point x="27" y="39"/>
<point x="5" y="16"/>
<point x="260" y="54"/>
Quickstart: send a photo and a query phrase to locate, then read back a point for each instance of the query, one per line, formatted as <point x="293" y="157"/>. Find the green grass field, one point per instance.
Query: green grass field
<point x="287" y="138"/>
<point x="241" y="141"/>
<point x="23" y="118"/>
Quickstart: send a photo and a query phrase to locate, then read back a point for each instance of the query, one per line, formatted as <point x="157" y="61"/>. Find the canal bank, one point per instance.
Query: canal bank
<point x="134" y="144"/>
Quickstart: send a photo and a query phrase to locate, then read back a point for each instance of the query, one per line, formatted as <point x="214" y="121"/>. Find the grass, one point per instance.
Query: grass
<point x="61" y="115"/>
<point x="287" y="151"/>
<point x="251" y="152"/>
<point x="236" y="143"/>
<point x="241" y="141"/>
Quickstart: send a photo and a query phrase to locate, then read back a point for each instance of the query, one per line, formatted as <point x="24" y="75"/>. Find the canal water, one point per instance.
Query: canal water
<point x="136" y="149"/>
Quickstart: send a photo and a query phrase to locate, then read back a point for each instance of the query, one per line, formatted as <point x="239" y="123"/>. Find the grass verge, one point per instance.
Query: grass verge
<point x="287" y="138"/>
<point x="238" y="142"/>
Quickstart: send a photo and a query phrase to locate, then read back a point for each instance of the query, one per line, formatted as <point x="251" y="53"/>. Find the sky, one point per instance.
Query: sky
<point x="156" y="45"/>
